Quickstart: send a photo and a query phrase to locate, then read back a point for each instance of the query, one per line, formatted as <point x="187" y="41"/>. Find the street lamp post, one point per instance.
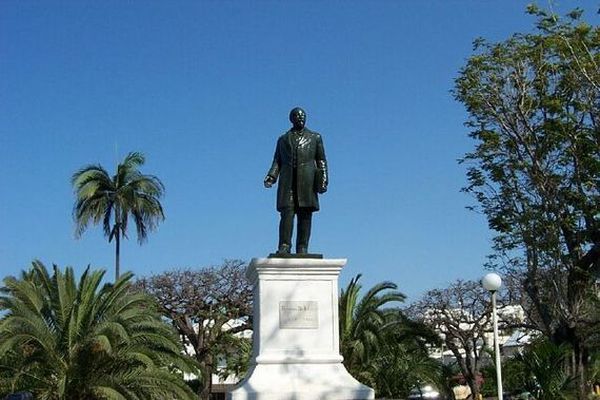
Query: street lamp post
<point x="442" y="336"/>
<point x="492" y="282"/>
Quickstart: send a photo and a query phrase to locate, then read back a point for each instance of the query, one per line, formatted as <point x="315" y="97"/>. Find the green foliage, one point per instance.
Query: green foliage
<point x="542" y="370"/>
<point x="515" y="377"/>
<point x="113" y="200"/>
<point x="534" y="111"/>
<point x="381" y="346"/>
<point x="363" y="321"/>
<point x="62" y="339"/>
<point x="488" y="387"/>
<point x="403" y="363"/>
<point x="237" y="356"/>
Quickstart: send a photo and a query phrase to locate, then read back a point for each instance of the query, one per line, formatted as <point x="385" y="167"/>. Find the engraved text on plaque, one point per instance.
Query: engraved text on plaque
<point x="298" y="315"/>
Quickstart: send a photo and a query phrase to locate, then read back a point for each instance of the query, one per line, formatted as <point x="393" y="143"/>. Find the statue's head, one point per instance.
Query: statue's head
<point x="298" y="118"/>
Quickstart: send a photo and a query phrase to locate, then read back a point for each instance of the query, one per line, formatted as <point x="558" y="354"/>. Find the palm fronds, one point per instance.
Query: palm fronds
<point x="61" y="339"/>
<point x="112" y="201"/>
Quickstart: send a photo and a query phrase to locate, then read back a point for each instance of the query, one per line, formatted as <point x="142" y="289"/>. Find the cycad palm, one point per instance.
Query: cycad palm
<point x="62" y="340"/>
<point x="362" y="322"/>
<point x="544" y="364"/>
<point x="129" y="193"/>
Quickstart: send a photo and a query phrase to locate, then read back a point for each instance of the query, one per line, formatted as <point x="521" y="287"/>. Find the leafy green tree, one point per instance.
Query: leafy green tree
<point x="514" y="378"/>
<point x="402" y="362"/>
<point x="237" y="357"/>
<point x="207" y="307"/>
<point x="113" y="200"/>
<point x="61" y="340"/>
<point x="363" y="322"/>
<point x="534" y="111"/>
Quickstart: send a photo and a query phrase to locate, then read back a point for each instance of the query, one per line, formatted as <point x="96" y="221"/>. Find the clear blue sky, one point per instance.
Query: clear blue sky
<point x="203" y="89"/>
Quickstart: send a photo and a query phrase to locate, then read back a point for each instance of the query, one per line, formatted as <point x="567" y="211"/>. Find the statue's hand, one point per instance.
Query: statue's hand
<point x="322" y="189"/>
<point x="269" y="181"/>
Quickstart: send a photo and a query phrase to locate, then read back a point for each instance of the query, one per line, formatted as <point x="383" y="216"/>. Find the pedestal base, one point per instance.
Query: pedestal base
<point x="295" y="338"/>
<point x="300" y="382"/>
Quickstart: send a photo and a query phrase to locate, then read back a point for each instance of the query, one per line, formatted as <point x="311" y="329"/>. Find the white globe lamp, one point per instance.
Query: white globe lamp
<point x="492" y="282"/>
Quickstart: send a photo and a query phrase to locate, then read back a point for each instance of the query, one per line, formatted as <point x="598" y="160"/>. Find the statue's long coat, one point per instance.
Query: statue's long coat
<point x="311" y="159"/>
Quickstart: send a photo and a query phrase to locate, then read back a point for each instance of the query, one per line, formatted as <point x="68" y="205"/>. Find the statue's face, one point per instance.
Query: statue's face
<point x="298" y="118"/>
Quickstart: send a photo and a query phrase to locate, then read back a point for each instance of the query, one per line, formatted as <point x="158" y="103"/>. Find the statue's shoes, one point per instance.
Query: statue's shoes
<point x="283" y="249"/>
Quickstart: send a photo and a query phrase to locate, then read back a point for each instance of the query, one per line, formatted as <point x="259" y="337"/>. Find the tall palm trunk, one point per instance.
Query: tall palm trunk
<point x="117" y="251"/>
<point x="117" y="231"/>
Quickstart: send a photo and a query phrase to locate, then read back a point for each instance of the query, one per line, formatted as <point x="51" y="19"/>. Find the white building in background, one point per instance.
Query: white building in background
<point x="515" y="343"/>
<point x="511" y="340"/>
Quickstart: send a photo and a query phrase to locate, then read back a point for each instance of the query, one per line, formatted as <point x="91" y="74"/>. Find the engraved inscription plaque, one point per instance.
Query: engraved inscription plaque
<point x="298" y="315"/>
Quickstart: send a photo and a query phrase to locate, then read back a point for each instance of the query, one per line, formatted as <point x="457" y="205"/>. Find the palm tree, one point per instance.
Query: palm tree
<point x="113" y="200"/>
<point x="363" y="322"/>
<point x="544" y="365"/>
<point x="65" y="340"/>
<point x="381" y="346"/>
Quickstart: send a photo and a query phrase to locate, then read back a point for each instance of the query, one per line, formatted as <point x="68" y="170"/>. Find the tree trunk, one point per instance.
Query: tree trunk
<point x="117" y="251"/>
<point x="578" y="362"/>
<point x="466" y="366"/>
<point x="579" y="369"/>
<point x="205" y="387"/>
<point x="474" y="385"/>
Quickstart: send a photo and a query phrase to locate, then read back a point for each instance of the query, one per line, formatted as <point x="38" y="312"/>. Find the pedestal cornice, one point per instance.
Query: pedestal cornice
<point x="301" y="267"/>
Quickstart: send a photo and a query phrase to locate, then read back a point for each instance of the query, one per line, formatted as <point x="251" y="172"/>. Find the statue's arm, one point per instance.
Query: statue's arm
<point x="273" y="173"/>
<point x="321" y="161"/>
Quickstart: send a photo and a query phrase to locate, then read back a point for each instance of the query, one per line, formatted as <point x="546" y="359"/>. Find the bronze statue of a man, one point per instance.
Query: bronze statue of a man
<point x="301" y="167"/>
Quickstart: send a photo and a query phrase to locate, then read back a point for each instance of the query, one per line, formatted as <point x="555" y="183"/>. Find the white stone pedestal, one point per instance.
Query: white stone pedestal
<point x="295" y="352"/>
